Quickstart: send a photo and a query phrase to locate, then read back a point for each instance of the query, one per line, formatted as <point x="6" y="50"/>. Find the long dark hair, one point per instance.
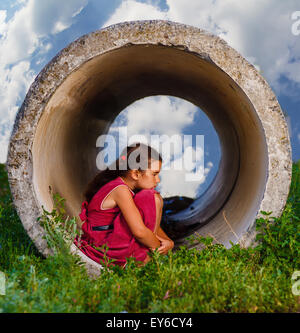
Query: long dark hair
<point x="121" y="167"/>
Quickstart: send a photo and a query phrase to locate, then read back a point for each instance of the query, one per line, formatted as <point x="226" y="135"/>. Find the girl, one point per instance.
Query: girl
<point x="122" y="212"/>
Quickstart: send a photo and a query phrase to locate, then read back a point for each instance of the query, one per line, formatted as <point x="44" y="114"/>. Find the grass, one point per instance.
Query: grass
<point x="216" y="279"/>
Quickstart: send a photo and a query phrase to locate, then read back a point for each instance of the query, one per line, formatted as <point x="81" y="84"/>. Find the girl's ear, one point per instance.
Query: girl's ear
<point x="135" y="174"/>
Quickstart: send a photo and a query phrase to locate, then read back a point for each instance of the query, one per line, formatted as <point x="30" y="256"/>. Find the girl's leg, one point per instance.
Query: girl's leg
<point x="158" y="207"/>
<point x="159" y="202"/>
<point x="150" y="205"/>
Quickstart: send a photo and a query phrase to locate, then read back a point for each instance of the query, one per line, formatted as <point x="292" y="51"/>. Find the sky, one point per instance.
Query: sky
<point x="265" y="32"/>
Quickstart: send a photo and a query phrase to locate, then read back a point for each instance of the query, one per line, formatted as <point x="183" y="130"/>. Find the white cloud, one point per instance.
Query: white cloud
<point x="131" y="10"/>
<point x="173" y="183"/>
<point x="2" y="21"/>
<point x="77" y="12"/>
<point x="159" y="114"/>
<point x="19" y="41"/>
<point x="184" y="181"/>
<point x="59" y="27"/>
<point x="160" y="121"/>
<point x="15" y="81"/>
<point x="54" y="16"/>
<point x="21" y="36"/>
<point x="155" y="120"/>
<point x="19" y="2"/>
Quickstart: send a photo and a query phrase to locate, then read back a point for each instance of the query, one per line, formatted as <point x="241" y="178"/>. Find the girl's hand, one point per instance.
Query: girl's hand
<point x="165" y="245"/>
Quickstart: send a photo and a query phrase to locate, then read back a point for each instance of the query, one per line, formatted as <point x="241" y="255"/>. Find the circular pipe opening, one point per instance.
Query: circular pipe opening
<point x="176" y="128"/>
<point x="165" y="121"/>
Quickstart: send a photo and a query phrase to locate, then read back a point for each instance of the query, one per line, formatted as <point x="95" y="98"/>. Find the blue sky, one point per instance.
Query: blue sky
<point x="32" y="32"/>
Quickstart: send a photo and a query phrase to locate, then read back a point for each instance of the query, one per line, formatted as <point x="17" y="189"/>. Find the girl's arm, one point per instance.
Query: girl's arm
<point x="162" y="234"/>
<point x="166" y="243"/>
<point x="124" y="200"/>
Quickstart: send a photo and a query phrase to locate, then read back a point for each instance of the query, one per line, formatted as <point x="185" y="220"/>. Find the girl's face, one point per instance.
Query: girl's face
<point x="149" y="178"/>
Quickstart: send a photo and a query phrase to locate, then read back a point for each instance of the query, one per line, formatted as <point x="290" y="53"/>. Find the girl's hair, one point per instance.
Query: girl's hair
<point x="122" y="165"/>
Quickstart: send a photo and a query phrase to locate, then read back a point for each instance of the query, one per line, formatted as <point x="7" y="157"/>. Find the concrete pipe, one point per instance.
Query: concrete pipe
<point x="79" y="93"/>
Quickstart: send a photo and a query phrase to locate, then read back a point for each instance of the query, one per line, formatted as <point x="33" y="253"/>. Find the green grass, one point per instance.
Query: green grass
<point x="216" y="279"/>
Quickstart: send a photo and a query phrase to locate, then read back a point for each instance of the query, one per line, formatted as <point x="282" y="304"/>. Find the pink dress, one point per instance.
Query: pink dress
<point x="109" y="227"/>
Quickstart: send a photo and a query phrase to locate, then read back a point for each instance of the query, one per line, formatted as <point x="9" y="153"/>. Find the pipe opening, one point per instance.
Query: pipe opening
<point x="184" y="136"/>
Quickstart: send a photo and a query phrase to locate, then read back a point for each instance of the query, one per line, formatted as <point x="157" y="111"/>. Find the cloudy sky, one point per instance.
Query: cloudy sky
<point x="265" y="32"/>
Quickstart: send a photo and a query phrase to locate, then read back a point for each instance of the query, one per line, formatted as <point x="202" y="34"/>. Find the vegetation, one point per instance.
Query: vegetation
<point x="215" y="279"/>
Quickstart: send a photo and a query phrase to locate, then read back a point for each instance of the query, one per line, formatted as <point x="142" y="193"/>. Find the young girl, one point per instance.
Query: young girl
<point x="122" y="212"/>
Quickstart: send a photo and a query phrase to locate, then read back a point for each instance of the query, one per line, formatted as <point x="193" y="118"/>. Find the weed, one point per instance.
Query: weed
<point x="215" y="279"/>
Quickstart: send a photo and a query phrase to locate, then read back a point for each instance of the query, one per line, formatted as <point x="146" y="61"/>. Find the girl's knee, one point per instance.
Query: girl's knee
<point x="143" y="195"/>
<point x="143" y="192"/>
<point x="159" y="202"/>
<point x="146" y="194"/>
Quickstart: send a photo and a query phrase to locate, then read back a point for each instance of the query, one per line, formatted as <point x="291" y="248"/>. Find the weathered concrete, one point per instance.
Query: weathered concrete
<point x="79" y="93"/>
